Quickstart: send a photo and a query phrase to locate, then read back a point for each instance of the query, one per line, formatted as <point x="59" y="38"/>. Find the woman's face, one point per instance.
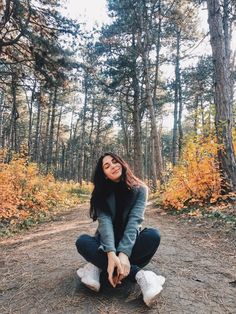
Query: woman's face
<point x="111" y="168"/>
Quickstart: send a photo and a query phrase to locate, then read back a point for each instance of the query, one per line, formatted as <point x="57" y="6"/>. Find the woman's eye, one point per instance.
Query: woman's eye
<point x="114" y="161"/>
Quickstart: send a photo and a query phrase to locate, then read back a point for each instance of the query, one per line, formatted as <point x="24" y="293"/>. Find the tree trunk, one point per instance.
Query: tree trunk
<point x="175" y="150"/>
<point x="36" y="155"/>
<point x="180" y="129"/>
<point x="153" y="170"/>
<point x="158" y="48"/>
<point x="96" y="147"/>
<point x="62" y="172"/>
<point x="204" y="130"/>
<point x="226" y="27"/>
<point x="51" y="133"/>
<point x="71" y="173"/>
<point x="91" y="146"/>
<point x="177" y="129"/>
<point x="30" y="110"/>
<point x="14" y="114"/>
<point x="146" y="152"/>
<point x="155" y="134"/>
<point x="82" y="136"/>
<point x="223" y="96"/>
<point x="196" y="118"/>
<point x="125" y="130"/>
<point x="138" y="157"/>
<point x="145" y="46"/>
<point x="1" y="119"/>
<point x="57" y="139"/>
<point x="46" y="136"/>
<point x="227" y="31"/>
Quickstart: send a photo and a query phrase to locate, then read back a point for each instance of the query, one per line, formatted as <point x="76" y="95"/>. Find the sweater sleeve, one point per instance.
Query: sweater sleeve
<point x="135" y="218"/>
<point x="105" y="229"/>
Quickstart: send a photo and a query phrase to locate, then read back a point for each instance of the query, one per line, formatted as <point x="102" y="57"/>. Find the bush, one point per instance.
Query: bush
<point x="26" y="193"/>
<point x="196" y="179"/>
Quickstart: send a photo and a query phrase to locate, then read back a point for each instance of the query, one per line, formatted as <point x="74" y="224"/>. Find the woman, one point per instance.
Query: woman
<point x="119" y="246"/>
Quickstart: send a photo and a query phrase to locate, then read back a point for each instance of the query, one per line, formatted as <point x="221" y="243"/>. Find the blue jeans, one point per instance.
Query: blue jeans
<point x="144" y="248"/>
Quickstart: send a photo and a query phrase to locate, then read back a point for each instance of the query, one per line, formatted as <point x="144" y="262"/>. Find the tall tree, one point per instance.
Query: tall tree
<point x="198" y="95"/>
<point x="123" y="68"/>
<point x="144" y="16"/>
<point x="180" y="29"/>
<point x="223" y="95"/>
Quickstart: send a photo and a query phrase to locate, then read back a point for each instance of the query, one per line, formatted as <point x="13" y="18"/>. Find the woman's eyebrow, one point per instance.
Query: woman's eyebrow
<point x="107" y="163"/>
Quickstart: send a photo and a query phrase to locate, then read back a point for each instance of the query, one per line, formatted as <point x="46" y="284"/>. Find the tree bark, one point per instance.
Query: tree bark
<point x="223" y="96"/>
<point x="36" y="155"/>
<point x="227" y="31"/>
<point x="46" y="136"/>
<point x="196" y="118"/>
<point x="144" y="44"/>
<point x="57" y="164"/>
<point x="153" y="170"/>
<point x="177" y="129"/>
<point x="155" y="134"/>
<point x="14" y="114"/>
<point x="51" y="133"/>
<point x="158" y="48"/>
<point x="82" y="136"/>
<point x="150" y="106"/>
<point x="138" y="157"/>
<point x="1" y="119"/>
<point x="30" y="110"/>
<point x="175" y="150"/>
<point x="180" y="129"/>
<point x="226" y="27"/>
<point x="62" y="162"/>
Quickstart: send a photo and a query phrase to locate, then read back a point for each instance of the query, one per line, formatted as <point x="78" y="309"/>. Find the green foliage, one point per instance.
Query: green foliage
<point x="38" y="42"/>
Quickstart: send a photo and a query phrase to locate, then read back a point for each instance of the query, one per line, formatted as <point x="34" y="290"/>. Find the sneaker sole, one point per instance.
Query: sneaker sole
<point x="152" y="301"/>
<point x="91" y="286"/>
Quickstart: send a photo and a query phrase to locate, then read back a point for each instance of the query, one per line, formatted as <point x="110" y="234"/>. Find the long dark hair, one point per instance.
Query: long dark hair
<point x="103" y="186"/>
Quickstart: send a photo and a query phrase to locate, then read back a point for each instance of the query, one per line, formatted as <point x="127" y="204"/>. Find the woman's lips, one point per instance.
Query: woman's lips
<point x="116" y="171"/>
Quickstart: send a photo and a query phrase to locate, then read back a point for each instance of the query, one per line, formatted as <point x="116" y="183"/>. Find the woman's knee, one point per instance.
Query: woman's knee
<point x="153" y="236"/>
<point x="81" y="242"/>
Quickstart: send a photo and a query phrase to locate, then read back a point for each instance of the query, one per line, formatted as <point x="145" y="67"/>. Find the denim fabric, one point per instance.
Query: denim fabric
<point x="143" y="250"/>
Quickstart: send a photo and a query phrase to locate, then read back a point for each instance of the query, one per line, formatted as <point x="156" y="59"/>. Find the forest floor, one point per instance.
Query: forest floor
<point x="38" y="269"/>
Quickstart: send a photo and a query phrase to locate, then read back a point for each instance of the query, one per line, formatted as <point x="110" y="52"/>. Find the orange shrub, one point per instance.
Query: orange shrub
<point x="234" y="139"/>
<point x="24" y="192"/>
<point x="196" y="179"/>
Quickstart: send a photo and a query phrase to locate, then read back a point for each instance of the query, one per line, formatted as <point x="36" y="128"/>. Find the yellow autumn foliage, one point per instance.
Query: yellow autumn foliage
<point x="25" y="192"/>
<point x="196" y="179"/>
<point x="234" y="139"/>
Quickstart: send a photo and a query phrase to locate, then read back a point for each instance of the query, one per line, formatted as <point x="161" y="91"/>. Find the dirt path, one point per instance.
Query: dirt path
<point x="38" y="271"/>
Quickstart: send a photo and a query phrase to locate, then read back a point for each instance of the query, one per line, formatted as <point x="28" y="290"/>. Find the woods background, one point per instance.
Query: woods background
<point x="67" y="95"/>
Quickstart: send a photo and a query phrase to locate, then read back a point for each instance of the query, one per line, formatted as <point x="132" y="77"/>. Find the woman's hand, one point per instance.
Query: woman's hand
<point x="114" y="264"/>
<point x="125" y="264"/>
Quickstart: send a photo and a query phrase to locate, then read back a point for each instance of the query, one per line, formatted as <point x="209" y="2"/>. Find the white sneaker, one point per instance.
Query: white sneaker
<point x="90" y="275"/>
<point x="150" y="284"/>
